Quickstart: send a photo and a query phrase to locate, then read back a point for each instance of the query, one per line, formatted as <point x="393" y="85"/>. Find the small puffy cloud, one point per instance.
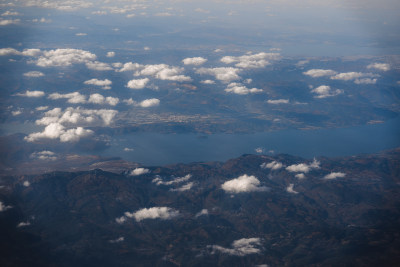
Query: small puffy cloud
<point x="34" y="74"/>
<point x="278" y="101"/>
<point x="250" y="61"/>
<point x="240" y="89"/>
<point x="42" y="20"/>
<point x="4" y="207"/>
<point x="184" y="187"/>
<point x="163" y="213"/>
<point x="44" y="155"/>
<point x="159" y="71"/>
<point x="96" y="65"/>
<point x="121" y="220"/>
<point x="241" y="247"/>
<point x="57" y="131"/>
<point x="379" y="66"/>
<point x="303" y="167"/>
<point x="273" y="165"/>
<point x="177" y="180"/>
<point x="26" y="183"/>
<point x="315" y="73"/>
<point x="139" y="171"/>
<point x="16" y="112"/>
<point x="5" y="22"/>
<point x="244" y="183"/>
<point x="23" y="224"/>
<point x="127" y="149"/>
<point x="302" y="63"/>
<point x="201" y="213"/>
<point x="138" y="83"/>
<point x="80" y="34"/>
<point x="41" y="108"/>
<point x="207" y="82"/>
<point x="118" y="240"/>
<point x="325" y="91"/>
<point x="105" y="84"/>
<point x="110" y="54"/>
<point x="300" y="176"/>
<point x="32" y="94"/>
<point x="73" y="98"/>
<point x="289" y="189"/>
<point x="99" y="99"/>
<point x="222" y="74"/>
<point x="259" y="150"/>
<point x="152" y="102"/>
<point x="9" y="51"/>
<point x="334" y="175"/>
<point x="197" y="61"/>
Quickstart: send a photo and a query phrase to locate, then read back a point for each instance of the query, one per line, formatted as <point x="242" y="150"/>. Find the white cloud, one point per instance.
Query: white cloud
<point x="42" y="108"/>
<point x="66" y="5"/>
<point x="73" y="116"/>
<point x="152" y="102"/>
<point x="80" y="34"/>
<point x="44" y="155"/>
<point x="34" y="74"/>
<point x="302" y="63"/>
<point x="185" y="187"/>
<point x="16" y="112"/>
<point x="23" y="224"/>
<point x="289" y="189"/>
<point x="96" y="65"/>
<point x="10" y="13"/>
<point x="105" y="84"/>
<point x="177" y="180"/>
<point x="118" y="240"/>
<point x="42" y="20"/>
<point x="121" y="219"/>
<point x="365" y="81"/>
<point x="99" y="12"/>
<point x="197" y="61"/>
<point x="222" y="74"/>
<point x="138" y="84"/>
<point x="57" y="131"/>
<point x="241" y="247"/>
<point x="250" y="61"/>
<point x="379" y="66"/>
<point x="303" y="167"/>
<point x="26" y="183"/>
<point x="64" y="57"/>
<point x="207" y="82"/>
<point x="159" y="71"/>
<point x="110" y="54"/>
<point x="259" y="150"/>
<point x="348" y="76"/>
<point x="139" y="171"/>
<point x="300" y="176"/>
<point x="273" y="165"/>
<point x="99" y="99"/>
<point x="127" y="149"/>
<point x="5" y="22"/>
<point x="32" y="94"/>
<point x="278" y="101"/>
<point x="163" y="213"/>
<point x="9" y="51"/>
<point x="334" y="175"/>
<point x="242" y="184"/>
<point x="73" y="98"/>
<point x="240" y="89"/>
<point x="324" y="91"/>
<point x="201" y="213"/>
<point x="315" y="73"/>
<point x="4" y="207"/>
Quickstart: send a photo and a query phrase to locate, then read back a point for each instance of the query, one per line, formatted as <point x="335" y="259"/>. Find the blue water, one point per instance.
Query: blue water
<point x="160" y="149"/>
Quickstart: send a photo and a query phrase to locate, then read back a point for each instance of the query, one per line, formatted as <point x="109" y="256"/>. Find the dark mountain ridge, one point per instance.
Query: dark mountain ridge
<point x="344" y="212"/>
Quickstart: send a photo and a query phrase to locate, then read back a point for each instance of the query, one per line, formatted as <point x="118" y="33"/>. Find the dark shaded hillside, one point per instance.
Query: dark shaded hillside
<point x="346" y="221"/>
